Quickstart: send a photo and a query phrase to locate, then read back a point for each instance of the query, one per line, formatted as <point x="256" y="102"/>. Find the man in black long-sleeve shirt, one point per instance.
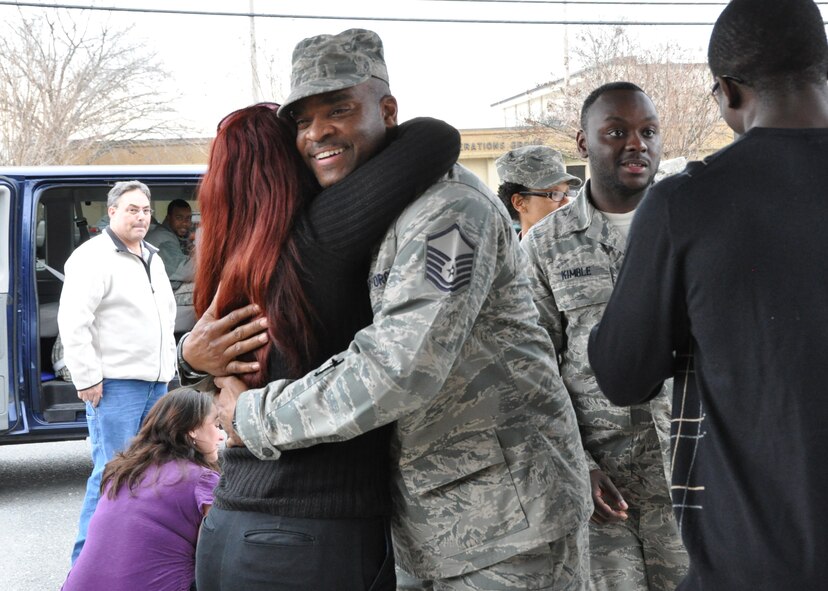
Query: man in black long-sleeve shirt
<point x="724" y="287"/>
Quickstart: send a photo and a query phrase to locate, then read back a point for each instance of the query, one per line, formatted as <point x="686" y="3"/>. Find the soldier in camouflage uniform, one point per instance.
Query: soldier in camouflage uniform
<point x="490" y="486"/>
<point x="528" y="195"/>
<point x="576" y="254"/>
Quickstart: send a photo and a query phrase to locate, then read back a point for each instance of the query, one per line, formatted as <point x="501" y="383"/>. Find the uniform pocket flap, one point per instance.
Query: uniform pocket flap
<point x="462" y="458"/>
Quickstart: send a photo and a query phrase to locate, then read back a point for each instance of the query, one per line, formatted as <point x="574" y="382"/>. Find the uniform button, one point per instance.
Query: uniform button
<point x="267" y="452"/>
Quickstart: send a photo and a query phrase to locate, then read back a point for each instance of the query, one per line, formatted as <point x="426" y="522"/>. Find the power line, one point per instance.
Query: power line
<point x="571" y="3"/>
<point x="593" y="2"/>
<point x="376" y="18"/>
<point x="355" y="18"/>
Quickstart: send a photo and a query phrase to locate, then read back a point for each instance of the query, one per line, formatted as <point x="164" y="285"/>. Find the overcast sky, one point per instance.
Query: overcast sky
<point x="453" y="71"/>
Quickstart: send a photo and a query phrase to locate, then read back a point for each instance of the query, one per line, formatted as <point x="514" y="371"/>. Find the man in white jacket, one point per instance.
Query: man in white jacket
<point x="116" y="320"/>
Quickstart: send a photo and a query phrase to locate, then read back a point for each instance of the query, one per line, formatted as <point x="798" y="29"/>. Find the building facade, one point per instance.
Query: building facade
<point x="479" y="149"/>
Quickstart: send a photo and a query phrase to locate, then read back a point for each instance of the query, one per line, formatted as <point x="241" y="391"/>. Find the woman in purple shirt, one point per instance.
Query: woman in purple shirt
<point x="153" y="498"/>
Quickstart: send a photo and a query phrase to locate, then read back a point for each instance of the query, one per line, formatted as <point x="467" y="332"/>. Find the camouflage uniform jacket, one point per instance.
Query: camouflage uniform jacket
<point x="487" y="457"/>
<point x="575" y="256"/>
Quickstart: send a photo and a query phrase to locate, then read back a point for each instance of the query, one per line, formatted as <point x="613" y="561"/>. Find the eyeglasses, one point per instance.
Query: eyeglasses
<point x="226" y="118"/>
<point x="717" y="85"/>
<point x="135" y="211"/>
<point x="555" y="196"/>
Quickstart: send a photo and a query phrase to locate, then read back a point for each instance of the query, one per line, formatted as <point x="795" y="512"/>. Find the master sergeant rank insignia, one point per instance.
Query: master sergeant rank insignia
<point x="449" y="259"/>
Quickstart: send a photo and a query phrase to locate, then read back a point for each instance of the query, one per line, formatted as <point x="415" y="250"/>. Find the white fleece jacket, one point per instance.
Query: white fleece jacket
<point x="116" y="314"/>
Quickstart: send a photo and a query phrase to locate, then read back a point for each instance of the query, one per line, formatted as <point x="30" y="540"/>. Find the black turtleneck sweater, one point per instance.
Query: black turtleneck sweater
<point x="336" y="236"/>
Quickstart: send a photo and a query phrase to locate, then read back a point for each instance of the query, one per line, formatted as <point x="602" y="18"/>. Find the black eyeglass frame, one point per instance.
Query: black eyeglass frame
<point x="550" y="194"/>
<point x="717" y="85"/>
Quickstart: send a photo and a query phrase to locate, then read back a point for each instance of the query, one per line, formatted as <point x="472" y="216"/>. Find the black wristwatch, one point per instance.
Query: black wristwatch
<point x="185" y="370"/>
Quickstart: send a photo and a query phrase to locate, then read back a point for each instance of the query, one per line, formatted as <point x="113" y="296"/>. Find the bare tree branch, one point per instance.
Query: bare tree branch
<point x="678" y="87"/>
<point x="70" y="89"/>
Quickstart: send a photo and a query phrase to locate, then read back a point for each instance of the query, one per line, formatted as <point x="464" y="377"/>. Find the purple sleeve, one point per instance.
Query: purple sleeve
<point x="207" y="481"/>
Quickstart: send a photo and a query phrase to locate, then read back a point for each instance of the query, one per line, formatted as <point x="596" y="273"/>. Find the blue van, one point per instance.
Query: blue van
<point x="45" y="213"/>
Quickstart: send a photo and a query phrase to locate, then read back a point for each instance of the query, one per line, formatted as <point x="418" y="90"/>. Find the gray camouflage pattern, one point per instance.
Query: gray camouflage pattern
<point x="644" y="552"/>
<point x="534" y="167"/>
<point x="575" y="258"/>
<point x="487" y="458"/>
<point x="562" y="565"/>
<point x="324" y="63"/>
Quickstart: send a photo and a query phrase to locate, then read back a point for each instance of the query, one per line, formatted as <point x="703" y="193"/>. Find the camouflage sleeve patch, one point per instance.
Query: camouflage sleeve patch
<point x="449" y="259"/>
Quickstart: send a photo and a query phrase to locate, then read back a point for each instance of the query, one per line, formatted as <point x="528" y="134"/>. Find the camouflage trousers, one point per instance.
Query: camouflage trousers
<point x="562" y="565"/>
<point x="645" y="552"/>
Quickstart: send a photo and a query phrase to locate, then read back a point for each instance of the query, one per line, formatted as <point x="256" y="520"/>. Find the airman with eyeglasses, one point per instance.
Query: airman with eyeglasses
<point x="534" y="183"/>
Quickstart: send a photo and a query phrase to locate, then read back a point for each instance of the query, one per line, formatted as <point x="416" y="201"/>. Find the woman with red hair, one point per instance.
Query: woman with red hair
<point x="270" y="236"/>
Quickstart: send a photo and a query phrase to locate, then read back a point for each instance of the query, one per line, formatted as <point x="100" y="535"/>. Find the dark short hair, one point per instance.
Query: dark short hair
<point x="604" y="88"/>
<point x="505" y="192"/>
<point x="772" y="45"/>
<point x="177" y="204"/>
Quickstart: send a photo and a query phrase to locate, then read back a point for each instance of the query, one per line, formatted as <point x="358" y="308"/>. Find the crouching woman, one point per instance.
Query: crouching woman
<point x="154" y="496"/>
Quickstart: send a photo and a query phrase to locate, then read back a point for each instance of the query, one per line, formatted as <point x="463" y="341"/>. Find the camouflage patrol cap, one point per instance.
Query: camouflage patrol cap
<point x="534" y="167"/>
<point x="333" y="62"/>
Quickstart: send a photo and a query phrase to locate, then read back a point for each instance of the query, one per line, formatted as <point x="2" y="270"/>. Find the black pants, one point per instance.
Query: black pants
<point x="250" y="551"/>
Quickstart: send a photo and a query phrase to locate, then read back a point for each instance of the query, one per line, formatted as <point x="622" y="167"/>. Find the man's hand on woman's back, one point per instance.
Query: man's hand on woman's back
<point x="215" y="343"/>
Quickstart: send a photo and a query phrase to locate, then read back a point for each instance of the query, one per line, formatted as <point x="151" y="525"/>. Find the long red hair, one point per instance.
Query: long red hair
<point x="249" y="199"/>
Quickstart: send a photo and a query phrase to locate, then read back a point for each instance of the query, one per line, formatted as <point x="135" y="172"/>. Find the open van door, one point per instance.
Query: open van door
<point x="10" y="408"/>
<point x="46" y="212"/>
